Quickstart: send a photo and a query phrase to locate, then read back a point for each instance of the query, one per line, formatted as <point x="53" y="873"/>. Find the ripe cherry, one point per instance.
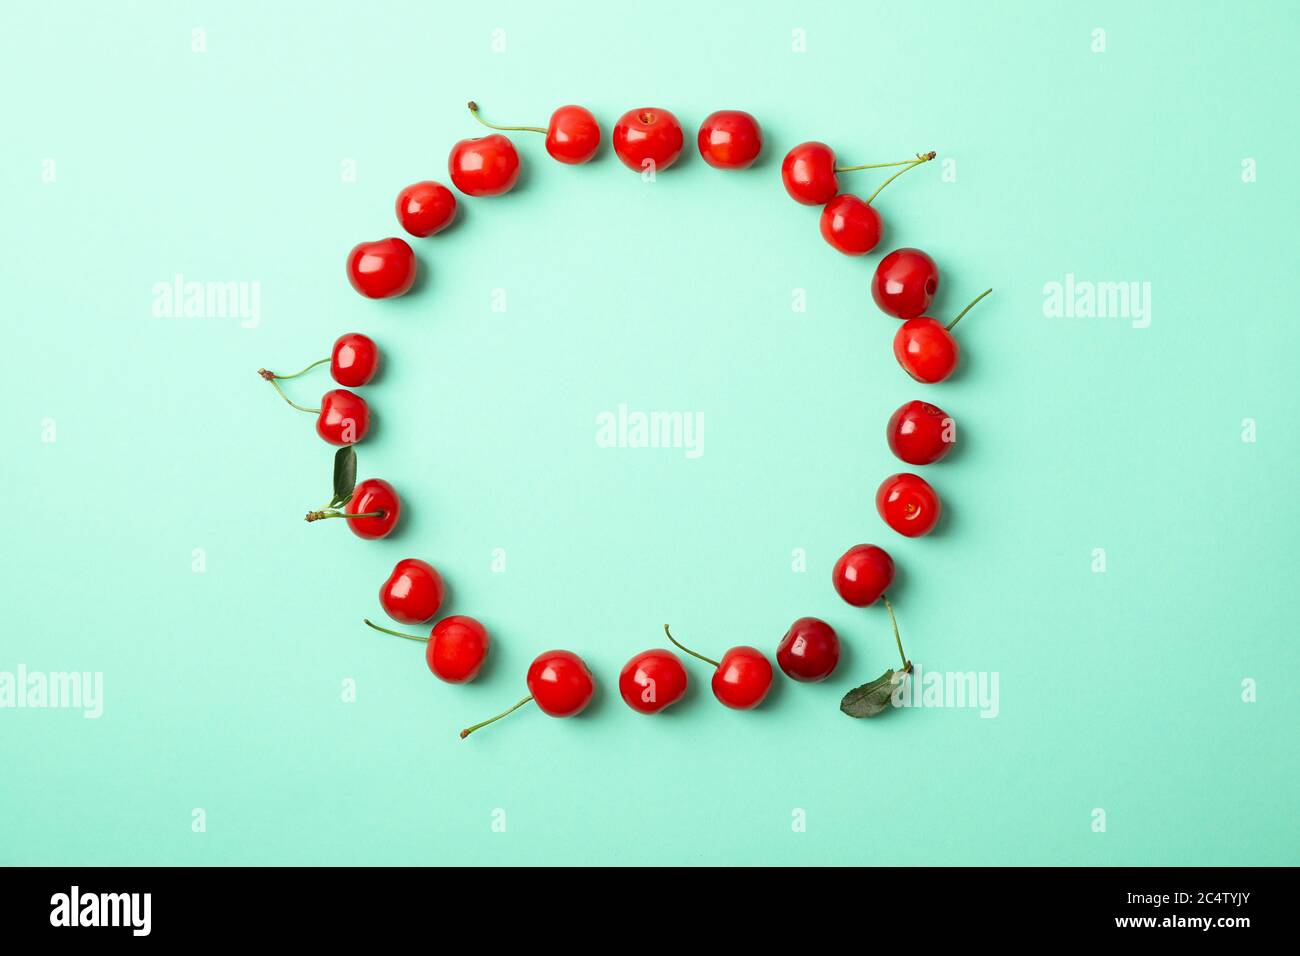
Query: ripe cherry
<point x="809" y="651"/>
<point x="920" y="433"/>
<point x="371" y="511"/>
<point x="741" y="679"/>
<point x="484" y="166"/>
<point x="354" y="359"/>
<point x="862" y="574"/>
<point x="927" y="349"/>
<point x="426" y="208"/>
<point x="904" y="283"/>
<point x="648" y="138"/>
<point x="382" y="269"/>
<point x="456" y="647"/>
<point x="572" y="137"/>
<point x="652" y="680"/>
<point x="851" y="225"/>
<point x="908" y="504"/>
<point x="809" y="172"/>
<point x="413" y="592"/>
<point x="344" y="417"/>
<point x="730" y="139"/>
<point x="559" y="681"/>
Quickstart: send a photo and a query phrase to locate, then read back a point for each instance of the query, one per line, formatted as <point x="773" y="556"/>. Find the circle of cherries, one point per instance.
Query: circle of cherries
<point x="918" y="433"/>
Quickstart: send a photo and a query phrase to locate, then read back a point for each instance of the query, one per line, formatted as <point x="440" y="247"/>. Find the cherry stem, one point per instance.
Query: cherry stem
<point x="409" y="637"/>
<point x="967" y="309"/>
<point x="505" y="713"/>
<point x="901" y="162"/>
<point x="272" y="379"/>
<point x="473" y="108"/>
<point x="271" y="376"/>
<point x="920" y="158"/>
<point x="907" y="665"/>
<point x="330" y="513"/>
<point x="707" y="660"/>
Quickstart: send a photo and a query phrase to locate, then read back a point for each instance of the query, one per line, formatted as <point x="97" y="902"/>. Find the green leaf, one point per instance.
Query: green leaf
<point x="872" y="698"/>
<point x="345" y="474"/>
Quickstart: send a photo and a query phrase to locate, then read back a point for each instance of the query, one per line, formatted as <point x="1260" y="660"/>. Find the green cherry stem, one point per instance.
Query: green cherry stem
<point x="272" y="379"/>
<point x="901" y="162"/>
<point x="967" y="309"/>
<point x="473" y="108"/>
<point x="384" y="630"/>
<point x="331" y="513"/>
<point x="707" y="660"/>
<point x="505" y="713"/>
<point x="271" y="376"/>
<point x="920" y="158"/>
<point x="907" y="665"/>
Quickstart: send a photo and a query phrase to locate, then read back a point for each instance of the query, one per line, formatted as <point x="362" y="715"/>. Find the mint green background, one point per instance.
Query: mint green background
<point x="1118" y="690"/>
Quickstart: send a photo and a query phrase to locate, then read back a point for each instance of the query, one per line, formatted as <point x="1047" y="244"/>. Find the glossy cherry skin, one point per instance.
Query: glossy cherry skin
<point x="926" y="349"/>
<point x="809" y="651"/>
<point x="383" y="269"/>
<point x="862" y="574"/>
<point x="560" y="683"/>
<point x="905" y="283"/>
<point x="730" y="139"/>
<point x="457" y="648"/>
<point x="648" y="138"/>
<point x="344" y="417"/>
<point x="920" y="433"/>
<point x="743" y="678"/>
<point x="371" y="495"/>
<point x="652" y="680"/>
<point x="484" y="165"/>
<point x="354" y="359"/>
<point x="808" y="172"/>
<point x="908" y="504"/>
<point x="426" y="208"/>
<point x="413" y="592"/>
<point x="573" y="135"/>
<point x="851" y="225"/>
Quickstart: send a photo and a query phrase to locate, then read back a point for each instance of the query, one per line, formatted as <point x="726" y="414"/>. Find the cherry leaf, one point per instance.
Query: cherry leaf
<point x="871" y="698"/>
<point x="345" y="474"/>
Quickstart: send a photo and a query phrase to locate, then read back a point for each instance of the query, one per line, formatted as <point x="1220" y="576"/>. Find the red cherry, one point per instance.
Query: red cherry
<point x="648" y="138"/>
<point x="413" y="592"/>
<point x="558" y="681"/>
<point x="572" y="137"/>
<point x="862" y="574"/>
<point x="920" y="433"/>
<point x="373" y="510"/>
<point x="457" y="647"/>
<point x="809" y="651"/>
<point x="354" y="359"/>
<point x="904" y="283"/>
<point x="484" y="166"/>
<point x="908" y="504"/>
<point x="383" y="269"/>
<point x="851" y="225"/>
<point x="425" y="208"/>
<point x="927" y="349"/>
<point x="741" y="679"/>
<point x="730" y="139"/>
<point x="652" y="680"/>
<point x="808" y="172"/>
<point x="344" y="417"/>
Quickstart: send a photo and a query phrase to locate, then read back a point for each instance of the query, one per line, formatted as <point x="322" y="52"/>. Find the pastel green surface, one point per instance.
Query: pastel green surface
<point x="1120" y="691"/>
